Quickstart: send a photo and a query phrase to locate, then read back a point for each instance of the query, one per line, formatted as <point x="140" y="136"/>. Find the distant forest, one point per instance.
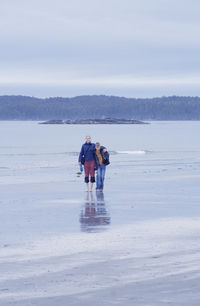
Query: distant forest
<point x="99" y="106"/>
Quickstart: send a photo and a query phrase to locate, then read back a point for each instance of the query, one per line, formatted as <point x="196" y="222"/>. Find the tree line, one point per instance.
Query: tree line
<point x="99" y="106"/>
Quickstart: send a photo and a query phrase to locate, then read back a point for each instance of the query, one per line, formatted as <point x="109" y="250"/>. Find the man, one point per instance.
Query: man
<point x="88" y="153"/>
<point x="102" y="160"/>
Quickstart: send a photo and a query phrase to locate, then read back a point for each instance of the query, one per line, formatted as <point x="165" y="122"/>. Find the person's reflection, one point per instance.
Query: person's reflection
<point x="94" y="215"/>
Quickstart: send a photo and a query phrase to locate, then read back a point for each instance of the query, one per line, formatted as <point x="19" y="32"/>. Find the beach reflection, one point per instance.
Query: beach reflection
<point x="94" y="216"/>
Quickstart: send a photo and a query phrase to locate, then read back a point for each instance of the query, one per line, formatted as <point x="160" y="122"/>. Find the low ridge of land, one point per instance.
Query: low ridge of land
<point x="99" y="107"/>
<point x="94" y="121"/>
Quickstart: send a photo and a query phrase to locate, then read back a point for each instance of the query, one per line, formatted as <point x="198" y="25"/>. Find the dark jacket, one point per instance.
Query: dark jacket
<point x="88" y="151"/>
<point x="105" y="156"/>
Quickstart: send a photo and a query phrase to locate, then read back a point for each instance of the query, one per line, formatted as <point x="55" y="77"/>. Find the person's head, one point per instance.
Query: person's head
<point x="97" y="145"/>
<point x="88" y="139"/>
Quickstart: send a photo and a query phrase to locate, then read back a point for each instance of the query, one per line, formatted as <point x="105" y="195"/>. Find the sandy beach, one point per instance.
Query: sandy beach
<point x="137" y="244"/>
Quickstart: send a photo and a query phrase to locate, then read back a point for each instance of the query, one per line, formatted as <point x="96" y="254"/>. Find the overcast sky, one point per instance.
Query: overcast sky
<point x="133" y="48"/>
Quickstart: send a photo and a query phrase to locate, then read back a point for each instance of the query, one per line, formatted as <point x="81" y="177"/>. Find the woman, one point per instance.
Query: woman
<point x="102" y="160"/>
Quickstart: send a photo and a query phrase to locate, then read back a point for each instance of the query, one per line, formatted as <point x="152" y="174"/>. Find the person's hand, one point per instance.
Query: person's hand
<point x="79" y="163"/>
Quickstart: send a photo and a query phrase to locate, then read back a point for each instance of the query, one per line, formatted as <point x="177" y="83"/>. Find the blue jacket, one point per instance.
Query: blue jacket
<point x="88" y="151"/>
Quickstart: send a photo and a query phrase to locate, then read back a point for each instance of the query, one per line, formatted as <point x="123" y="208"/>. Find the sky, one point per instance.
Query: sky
<point x="131" y="48"/>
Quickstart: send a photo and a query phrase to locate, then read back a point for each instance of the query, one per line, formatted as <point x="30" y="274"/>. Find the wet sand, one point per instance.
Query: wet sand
<point x="137" y="247"/>
<point x="135" y="244"/>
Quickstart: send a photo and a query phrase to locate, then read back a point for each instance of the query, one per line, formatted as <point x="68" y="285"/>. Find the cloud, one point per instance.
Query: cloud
<point x="99" y="43"/>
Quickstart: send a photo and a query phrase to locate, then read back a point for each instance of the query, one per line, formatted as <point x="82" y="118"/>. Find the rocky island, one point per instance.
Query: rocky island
<point x="95" y="121"/>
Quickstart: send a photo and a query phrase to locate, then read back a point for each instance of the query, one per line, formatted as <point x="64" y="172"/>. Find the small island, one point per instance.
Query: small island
<point x="95" y="121"/>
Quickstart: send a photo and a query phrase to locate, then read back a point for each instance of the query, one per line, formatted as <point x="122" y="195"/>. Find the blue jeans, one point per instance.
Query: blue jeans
<point x="100" y="176"/>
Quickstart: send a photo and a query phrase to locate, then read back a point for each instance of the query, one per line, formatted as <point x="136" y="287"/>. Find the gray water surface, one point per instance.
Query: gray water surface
<point x="154" y="173"/>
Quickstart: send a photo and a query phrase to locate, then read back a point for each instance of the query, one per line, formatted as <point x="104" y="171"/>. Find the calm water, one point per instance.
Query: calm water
<point x="154" y="173"/>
